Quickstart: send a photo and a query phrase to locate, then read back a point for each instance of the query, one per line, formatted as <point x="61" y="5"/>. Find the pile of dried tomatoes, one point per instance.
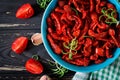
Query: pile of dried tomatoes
<point x="83" y="32"/>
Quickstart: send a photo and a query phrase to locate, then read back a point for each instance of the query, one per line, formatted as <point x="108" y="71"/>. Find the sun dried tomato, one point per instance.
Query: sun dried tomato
<point x="79" y="22"/>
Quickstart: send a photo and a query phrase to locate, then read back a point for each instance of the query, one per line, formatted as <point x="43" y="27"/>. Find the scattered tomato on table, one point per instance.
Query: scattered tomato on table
<point x="34" y="66"/>
<point x="25" y="11"/>
<point x="19" y="44"/>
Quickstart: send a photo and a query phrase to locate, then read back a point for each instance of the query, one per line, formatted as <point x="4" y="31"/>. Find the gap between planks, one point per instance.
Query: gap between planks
<point x="12" y="68"/>
<point x="15" y="25"/>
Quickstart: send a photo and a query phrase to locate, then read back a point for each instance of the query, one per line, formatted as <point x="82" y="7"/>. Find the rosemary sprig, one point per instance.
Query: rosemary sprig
<point x="109" y="15"/>
<point x="88" y="37"/>
<point x="43" y="3"/>
<point x="75" y="10"/>
<point x="59" y="70"/>
<point x="72" y="48"/>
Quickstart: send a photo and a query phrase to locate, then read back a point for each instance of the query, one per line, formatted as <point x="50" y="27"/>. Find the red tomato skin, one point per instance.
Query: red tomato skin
<point x="25" y="11"/>
<point x="33" y="66"/>
<point x="19" y="44"/>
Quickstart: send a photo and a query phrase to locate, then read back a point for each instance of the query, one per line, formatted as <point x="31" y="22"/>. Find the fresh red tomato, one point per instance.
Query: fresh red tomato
<point x="19" y="44"/>
<point x="25" y="11"/>
<point x="33" y="66"/>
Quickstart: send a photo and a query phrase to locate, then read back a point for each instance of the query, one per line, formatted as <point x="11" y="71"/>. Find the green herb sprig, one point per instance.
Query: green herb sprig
<point x="109" y="15"/>
<point x="59" y="70"/>
<point x="71" y="47"/>
<point x="75" y="10"/>
<point x="88" y="37"/>
<point x="43" y="3"/>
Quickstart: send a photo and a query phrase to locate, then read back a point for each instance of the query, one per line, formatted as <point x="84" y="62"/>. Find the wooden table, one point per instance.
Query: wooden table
<point x="11" y="64"/>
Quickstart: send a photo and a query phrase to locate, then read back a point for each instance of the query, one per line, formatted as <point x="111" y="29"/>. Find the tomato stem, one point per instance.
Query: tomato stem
<point x="36" y="57"/>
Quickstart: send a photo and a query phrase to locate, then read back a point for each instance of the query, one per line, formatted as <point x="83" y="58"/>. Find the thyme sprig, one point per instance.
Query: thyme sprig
<point x="71" y="47"/>
<point x="59" y="70"/>
<point x="43" y="3"/>
<point x="109" y="15"/>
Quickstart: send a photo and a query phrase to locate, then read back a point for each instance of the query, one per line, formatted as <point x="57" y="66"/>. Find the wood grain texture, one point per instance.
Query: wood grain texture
<point x="11" y="64"/>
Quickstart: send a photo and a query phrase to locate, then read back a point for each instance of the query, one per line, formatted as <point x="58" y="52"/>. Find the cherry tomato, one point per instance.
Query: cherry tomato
<point x="33" y="66"/>
<point x="19" y="44"/>
<point x="25" y="11"/>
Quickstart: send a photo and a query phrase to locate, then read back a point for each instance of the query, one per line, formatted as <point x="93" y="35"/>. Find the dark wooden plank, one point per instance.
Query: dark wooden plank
<point x="10" y="61"/>
<point x="9" y="8"/>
